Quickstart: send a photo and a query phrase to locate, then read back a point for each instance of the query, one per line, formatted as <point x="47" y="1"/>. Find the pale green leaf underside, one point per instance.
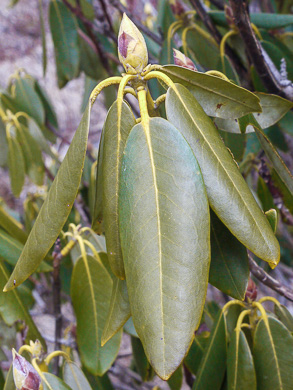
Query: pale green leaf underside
<point x="119" y="311"/>
<point x="164" y="228"/>
<point x="91" y="288"/>
<point x="15" y="165"/>
<point x="74" y="377"/>
<point x="54" y="382"/>
<point x="115" y="135"/>
<point x="273" y="355"/>
<point x="228" y="193"/>
<point x="56" y="207"/>
<point x="273" y="109"/>
<point x="217" y="97"/>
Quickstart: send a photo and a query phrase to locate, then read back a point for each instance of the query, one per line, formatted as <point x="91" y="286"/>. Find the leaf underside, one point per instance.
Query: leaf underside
<point x="164" y="228"/>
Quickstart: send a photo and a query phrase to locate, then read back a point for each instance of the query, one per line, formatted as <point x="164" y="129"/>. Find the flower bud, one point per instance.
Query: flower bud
<point x="177" y="8"/>
<point x="132" y="50"/>
<point x="181" y="60"/>
<point x="24" y="375"/>
<point x="251" y="292"/>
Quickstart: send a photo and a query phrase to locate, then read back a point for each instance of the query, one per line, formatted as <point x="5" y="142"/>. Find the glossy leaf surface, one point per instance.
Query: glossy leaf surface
<point x="195" y="354"/>
<point x="115" y="136"/>
<point x="217" y="97"/>
<point x="63" y="27"/>
<point x="91" y="288"/>
<point x="12" y="308"/>
<point x="228" y="193"/>
<point x="176" y="380"/>
<point x="142" y="365"/>
<point x="273" y="355"/>
<point x="56" y="207"/>
<point x="166" y="254"/>
<point x="215" y="356"/>
<point x="9" y="381"/>
<point x="119" y="311"/>
<point x="74" y="377"/>
<point x="229" y="270"/>
<point x="240" y="366"/>
<point x="284" y="316"/>
<point x="3" y="145"/>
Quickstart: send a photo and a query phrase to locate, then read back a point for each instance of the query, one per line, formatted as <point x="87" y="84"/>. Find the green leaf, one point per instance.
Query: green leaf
<point x="119" y="311"/>
<point x="261" y="20"/>
<point x="3" y="145"/>
<point x="12" y="308"/>
<point x="166" y="254"/>
<point x="89" y="85"/>
<point x="228" y="193"/>
<point x="273" y="109"/>
<point x="141" y="363"/>
<point x="212" y="368"/>
<point x="240" y="367"/>
<point x="264" y="195"/>
<point x="129" y="328"/>
<point x="74" y="377"/>
<point x="26" y="99"/>
<point x="89" y="60"/>
<point x="114" y="139"/>
<point x="195" y="354"/>
<point x="39" y="137"/>
<point x="15" y="165"/>
<point x="235" y="143"/>
<point x="10" y="251"/>
<point x="91" y="288"/>
<point x="32" y="155"/>
<point x="43" y="31"/>
<point x="273" y="155"/>
<point x="217" y="97"/>
<point x="54" y="382"/>
<point x="12" y="226"/>
<point x="272" y="217"/>
<point x="204" y="49"/>
<point x="50" y="114"/>
<point x="9" y="382"/>
<point x="63" y="27"/>
<point x="273" y="355"/>
<point x="229" y="270"/>
<point x="56" y="207"/>
<point x="98" y="216"/>
<point x="176" y="380"/>
<point x="284" y="316"/>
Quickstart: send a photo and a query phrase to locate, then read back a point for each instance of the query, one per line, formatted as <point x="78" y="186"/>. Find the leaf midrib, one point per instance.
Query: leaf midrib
<point x="146" y="129"/>
<point x="192" y="82"/>
<point x="220" y="163"/>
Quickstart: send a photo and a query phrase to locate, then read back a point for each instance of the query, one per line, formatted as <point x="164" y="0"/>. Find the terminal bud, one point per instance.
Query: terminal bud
<point x="132" y="50"/>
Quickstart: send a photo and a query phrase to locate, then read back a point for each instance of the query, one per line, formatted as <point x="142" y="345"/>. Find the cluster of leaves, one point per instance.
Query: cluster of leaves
<point x="149" y="183"/>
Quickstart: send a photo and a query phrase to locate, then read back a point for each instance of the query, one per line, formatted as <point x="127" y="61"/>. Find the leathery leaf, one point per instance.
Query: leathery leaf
<point x="164" y="231"/>
<point x="215" y="354"/>
<point x="15" y="165"/>
<point x="91" y="287"/>
<point x="74" y="377"/>
<point x="119" y="311"/>
<point x="273" y="355"/>
<point x="228" y="193"/>
<point x="240" y="366"/>
<point x="115" y="135"/>
<point x="218" y="97"/>
<point x="56" y="207"/>
<point x="12" y="308"/>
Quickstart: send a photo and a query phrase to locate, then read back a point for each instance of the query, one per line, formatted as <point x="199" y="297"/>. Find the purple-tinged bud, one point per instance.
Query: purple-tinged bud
<point x="180" y="59"/>
<point x="229" y="16"/>
<point x="132" y="50"/>
<point x="251" y="291"/>
<point x="24" y="375"/>
<point x="177" y="7"/>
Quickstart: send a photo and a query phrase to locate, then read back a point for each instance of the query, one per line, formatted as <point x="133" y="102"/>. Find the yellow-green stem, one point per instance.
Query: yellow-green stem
<point x="55" y="354"/>
<point x="103" y="84"/>
<point x="241" y="317"/>
<point x="40" y="372"/>
<point x="265" y="299"/>
<point x="222" y="46"/>
<point x="26" y="348"/>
